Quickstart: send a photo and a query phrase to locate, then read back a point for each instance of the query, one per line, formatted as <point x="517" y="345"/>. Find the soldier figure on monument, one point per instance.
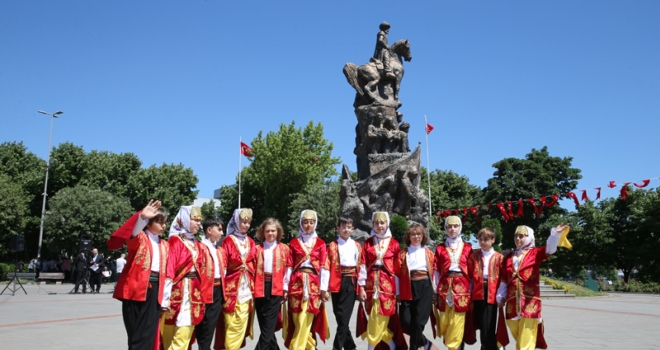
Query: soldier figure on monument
<point x="382" y="51"/>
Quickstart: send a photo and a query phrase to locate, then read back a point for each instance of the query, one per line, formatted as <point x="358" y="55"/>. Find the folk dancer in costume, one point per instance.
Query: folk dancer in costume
<point x="189" y="277"/>
<point x="377" y="281"/>
<point x="213" y="298"/>
<point x="451" y="260"/>
<point x="270" y="285"/>
<point x="140" y="285"/>
<point x="239" y="282"/>
<point x="308" y="286"/>
<point x="417" y="289"/>
<point x="484" y="268"/>
<point x="343" y="263"/>
<point x="520" y="286"/>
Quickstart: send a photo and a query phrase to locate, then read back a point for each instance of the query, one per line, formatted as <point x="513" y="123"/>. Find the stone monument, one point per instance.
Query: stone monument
<point x="388" y="174"/>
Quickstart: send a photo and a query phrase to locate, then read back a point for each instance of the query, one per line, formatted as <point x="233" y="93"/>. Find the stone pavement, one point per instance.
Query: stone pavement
<point x="87" y="321"/>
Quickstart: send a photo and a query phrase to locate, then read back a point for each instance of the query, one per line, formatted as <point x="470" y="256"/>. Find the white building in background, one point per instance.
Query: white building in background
<point x="216" y="199"/>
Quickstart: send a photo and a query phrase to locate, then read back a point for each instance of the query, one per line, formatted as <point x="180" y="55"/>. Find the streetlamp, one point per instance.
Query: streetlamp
<point x="43" y="206"/>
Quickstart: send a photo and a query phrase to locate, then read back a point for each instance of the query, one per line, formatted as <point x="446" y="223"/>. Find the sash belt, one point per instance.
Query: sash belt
<point x="190" y="275"/>
<point x="307" y="270"/>
<point x="454" y="274"/>
<point x="154" y="276"/>
<point x="348" y="270"/>
<point x="418" y="275"/>
<point x="268" y="277"/>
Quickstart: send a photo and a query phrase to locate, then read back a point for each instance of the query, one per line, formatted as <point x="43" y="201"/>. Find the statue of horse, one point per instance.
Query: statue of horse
<point x="365" y="79"/>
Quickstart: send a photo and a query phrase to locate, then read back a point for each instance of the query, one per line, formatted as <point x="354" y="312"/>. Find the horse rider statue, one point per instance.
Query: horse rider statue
<point x="382" y="51"/>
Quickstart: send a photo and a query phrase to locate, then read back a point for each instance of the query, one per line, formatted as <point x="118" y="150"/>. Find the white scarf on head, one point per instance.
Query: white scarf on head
<point x="181" y="223"/>
<point x="449" y="242"/>
<point x="304" y="235"/>
<point x="530" y="242"/>
<point x="387" y="233"/>
<point x="233" y="228"/>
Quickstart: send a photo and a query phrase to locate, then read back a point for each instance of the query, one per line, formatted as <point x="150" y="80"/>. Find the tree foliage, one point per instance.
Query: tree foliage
<point x="398" y="227"/>
<point x="82" y="210"/>
<point x="538" y="174"/>
<point x="14" y="209"/>
<point x="174" y="185"/>
<point x="286" y="163"/>
<point x="322" y="198"/>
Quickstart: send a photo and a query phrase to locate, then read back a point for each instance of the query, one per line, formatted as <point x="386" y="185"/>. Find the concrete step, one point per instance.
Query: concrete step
<point x="558" y="296"/>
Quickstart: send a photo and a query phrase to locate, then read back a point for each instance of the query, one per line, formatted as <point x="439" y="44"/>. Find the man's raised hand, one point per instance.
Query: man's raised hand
<point x="151" y="210"/>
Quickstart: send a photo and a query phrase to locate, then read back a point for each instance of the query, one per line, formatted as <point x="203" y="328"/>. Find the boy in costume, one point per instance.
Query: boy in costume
<point x="189" y="277"/>
<point x="308" y="286"/>
<point x="239" y="282"/>
<point x="416" y="290"/>
<point x="213" y="298"/>
<point x="271" y="285"/>
<point x="378" y="282"/>
<point x="520" y="286"/>
<point x="484" y="268"/>
<point x="140" y="285"/>
<point x="343" y="262"/>
<point x="451" y="260"/>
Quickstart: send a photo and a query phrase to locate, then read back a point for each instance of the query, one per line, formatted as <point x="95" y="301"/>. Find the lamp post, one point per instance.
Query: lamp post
<point x="43" y="205"/>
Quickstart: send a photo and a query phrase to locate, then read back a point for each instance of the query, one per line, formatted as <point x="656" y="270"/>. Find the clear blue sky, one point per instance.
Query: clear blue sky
<point x="180" y="81"/>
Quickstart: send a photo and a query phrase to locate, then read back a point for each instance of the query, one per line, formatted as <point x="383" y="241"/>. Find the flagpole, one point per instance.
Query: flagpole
<point x="428" y="166"/>
<point x="240" y="155"/>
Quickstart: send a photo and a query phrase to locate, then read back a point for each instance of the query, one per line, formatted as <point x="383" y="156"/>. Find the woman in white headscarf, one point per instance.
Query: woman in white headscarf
<point x="308" y="286"/>
<point x="189" y="275"/>
<point x="378" y="282"/>
<point x="520" y="286"/>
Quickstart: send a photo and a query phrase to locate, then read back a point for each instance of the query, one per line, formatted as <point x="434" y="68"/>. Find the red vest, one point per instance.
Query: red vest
<point x="133" y="282"/>
<point x="523" y="292"/>
<point x="475" y="270"/>
<point x="180" y="264"/>
<point x="207" y="293"/>
<point x="318" y="258"/>
<point x="460" y="285"/>
<point x="236" y="265"/>
<point x="280" y="258"/>
<point x="381" y="279"/>
<point x="401" y="267"/>
<point x="334" y="265"/>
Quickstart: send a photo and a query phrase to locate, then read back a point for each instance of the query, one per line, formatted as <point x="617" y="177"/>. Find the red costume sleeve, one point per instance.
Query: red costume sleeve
<point x="119" y="237"/>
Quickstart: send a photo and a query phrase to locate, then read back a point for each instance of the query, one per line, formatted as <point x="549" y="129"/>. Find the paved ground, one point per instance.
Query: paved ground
<point x="75" y="321"/>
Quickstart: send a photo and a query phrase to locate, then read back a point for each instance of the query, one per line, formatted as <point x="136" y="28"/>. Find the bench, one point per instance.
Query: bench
<point x="55" y="276"/>
<point x="22" y="275"/>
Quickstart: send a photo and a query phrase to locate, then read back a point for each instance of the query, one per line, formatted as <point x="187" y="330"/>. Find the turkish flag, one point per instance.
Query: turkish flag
<point x="612" y="184"/>
<point x="624" y="191"/>
<point x="584" y="195"/>
<point x="598" y="194"/>
<point x="575" y="198"/>
<point x="644" y="184"/>
<point x="429" y="128"/>
<point x="246" y="150"/>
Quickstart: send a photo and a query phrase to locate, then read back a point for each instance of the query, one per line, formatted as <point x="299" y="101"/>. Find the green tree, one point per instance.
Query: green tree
<point x="14" y="211"/>
<point x="286" y="163"/>
<point x="538" y="174"/>
<point x="109" y="171"/>
<point x="81" y="210"/>
<point x="67" y="166"/>
<point x="174" y="185"/>
<point x="322" y="198"/>
<point x="209" y="209"/>
<point x="398" y="227"/>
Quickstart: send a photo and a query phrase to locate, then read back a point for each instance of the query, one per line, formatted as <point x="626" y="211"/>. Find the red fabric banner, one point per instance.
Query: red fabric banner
<point x="474" y="212"/>
<point x="246" y="150"/>
<point x="598" y="194"/>
<point x="612" y="184"/>
<point x="644" y="184"/>
<point x="624" y="191"/>
<point x="465" y="214"/>
<point x="429" y="128"/>
<point x="520" y="208"/>
<point x="536" y="209"/>
<point x="555" y="198"/>
<point x="584" y="195"/>
<point x="500" y="206"/>
<point x="509" y="205"/>
<point x="575" y="198"/>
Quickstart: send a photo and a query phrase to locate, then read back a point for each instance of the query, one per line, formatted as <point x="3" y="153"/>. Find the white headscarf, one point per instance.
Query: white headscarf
<point x="301" y="232"/>
<point x="232" y="227"/>
<point x="181" y="223"/>
<point x="530" y="242"/>
<point x="449" y="242"/>
<point x="387" y="233"/>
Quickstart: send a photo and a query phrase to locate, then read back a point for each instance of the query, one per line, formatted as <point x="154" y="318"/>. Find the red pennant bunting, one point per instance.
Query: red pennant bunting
<point x="612" y="184"/>
<point x="555" y="198"/>
<point x="575" y="198"/>
<point x="490" y="207"/>
<point x="500" y="206"/>
<point x="465" y="214"/>
<point x="536" y="209"/>
<point x="624" y="191"/>
<point x="446" y="213"/>
<point x="598" y="194"/>
<point x="541" y="206"/>
<point x="456" y="211"/>
<point x="644" y="184"/>
<point x="584" y="195"/>
<point x="520" y="208"/>
<point x="509" y="205"/>
<point x="476" y="216"/>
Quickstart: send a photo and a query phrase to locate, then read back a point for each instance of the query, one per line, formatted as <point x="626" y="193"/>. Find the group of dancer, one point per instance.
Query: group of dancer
<point x="182" y="290"/>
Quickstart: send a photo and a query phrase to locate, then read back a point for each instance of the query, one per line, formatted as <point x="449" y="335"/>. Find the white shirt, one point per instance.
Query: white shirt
<point x="214" y="254"/>
<point x="154" y="239"/>
<point x="269" y="249"/>
<point x="121" y="262"/>
<point x="416" y="258"/>
<point x="486" y="259"/>
<point x="348" y="252"/>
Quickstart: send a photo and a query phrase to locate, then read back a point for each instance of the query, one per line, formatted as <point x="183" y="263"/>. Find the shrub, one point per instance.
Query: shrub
<point x="398" y="226"/>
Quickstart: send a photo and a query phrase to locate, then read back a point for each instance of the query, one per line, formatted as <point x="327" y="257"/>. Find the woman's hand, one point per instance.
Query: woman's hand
<point x="151" y="210"/>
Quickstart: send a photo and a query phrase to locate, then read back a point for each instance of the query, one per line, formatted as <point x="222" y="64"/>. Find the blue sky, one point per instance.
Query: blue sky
<point x="179" y="82"/>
